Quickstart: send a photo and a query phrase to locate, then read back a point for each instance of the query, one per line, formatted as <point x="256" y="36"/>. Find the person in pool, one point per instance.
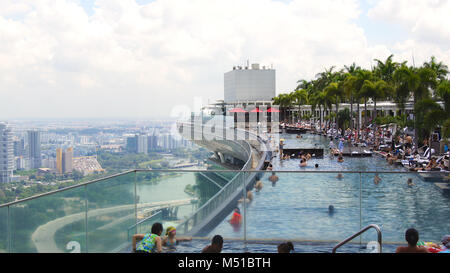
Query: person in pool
<point x="150" y="242"/>
<point x="330" y="209"/>
<point x="339" y="176"/>
<point x="258" y="185"/>
<point x="340" y="159"/>
<point x="303" y="163"/>
<point x="170" y="240"/>
<point x="236" y="218"/>
<point x="412" y="237"/>
<point x="376" y="179"/>
<point x="215" y="246"/>
<point x="273" y="178"/>
<point x="285" y="247"/>
<point x="410" y="182"/>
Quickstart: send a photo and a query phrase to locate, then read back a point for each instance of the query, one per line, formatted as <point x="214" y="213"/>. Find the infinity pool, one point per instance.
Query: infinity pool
<point x="296" y="207"/>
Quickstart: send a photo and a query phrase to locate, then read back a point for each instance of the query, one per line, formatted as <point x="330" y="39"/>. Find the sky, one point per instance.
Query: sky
<point x="151" y="58"/>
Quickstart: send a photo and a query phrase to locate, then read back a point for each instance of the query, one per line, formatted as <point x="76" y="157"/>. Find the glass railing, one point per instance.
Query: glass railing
<point x="102" y="215"/>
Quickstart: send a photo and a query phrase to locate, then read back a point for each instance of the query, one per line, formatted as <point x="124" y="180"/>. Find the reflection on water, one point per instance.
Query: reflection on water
<point x="297" y="206"/>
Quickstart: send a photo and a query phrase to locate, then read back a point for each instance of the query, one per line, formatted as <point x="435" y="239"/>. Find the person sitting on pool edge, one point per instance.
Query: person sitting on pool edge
<point x="170" y="240"/>
<point x="215" y="246"/>
<point x="150" y="242"/>
<point x="285" y="247"/>
<point x="412" y="237"/>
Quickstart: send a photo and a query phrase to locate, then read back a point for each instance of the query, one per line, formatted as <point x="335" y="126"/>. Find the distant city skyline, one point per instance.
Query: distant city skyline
<point x="83" y="59"/>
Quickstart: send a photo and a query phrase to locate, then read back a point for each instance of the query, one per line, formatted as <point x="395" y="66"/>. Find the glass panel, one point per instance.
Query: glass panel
<point x="396" y="206"/>
<point x="50" y="224"/>
<point x="228" y="224"/>
<point x="4" y="230"/>
<point x="296" y="208"/>
<point x="172" y="198"/>
<point x="111" y="213"/>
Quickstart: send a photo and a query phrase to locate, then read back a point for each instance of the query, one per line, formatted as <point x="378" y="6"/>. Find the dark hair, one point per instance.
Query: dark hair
<point x="330" y="208"/>
<point x="285" y="247"/>
<point x="217" y="240"/>
<point x="317" y="165"/>
<point x="157" y="228"/>
<point x="412" y="236"/>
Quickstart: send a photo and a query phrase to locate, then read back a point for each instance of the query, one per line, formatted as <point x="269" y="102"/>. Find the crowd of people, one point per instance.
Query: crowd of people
<point x="391" y="142"/>
<point x="153" y="243"/>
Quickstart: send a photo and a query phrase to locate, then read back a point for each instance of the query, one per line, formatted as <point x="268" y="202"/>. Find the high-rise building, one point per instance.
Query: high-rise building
<point x="59" y="163"/>
<point x="34" y="149"/>
<point x="142" y="145"/>
<point x="67" y="160"/>
<point x="19" y="147"/>
<point x="249" y="84"/>
<point x="152" y="143"/>
<point x="6" y="153"/>
<point x="64" y="160"/>
<point x="131" y="144"/>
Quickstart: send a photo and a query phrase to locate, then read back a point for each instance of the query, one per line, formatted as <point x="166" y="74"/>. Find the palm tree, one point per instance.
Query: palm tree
<point x="376" y="90"/>
<point x="319" y="99"/>
<point x="432" y="115"/>
<point x="439" y="68"/>
<point x="284" y="101"/>
<point x="349" y="87"/>
<point x="361" y="76"/>
<point x="301" y="97"/>
<point x="323" y="79"/>
<point x="335" y="91"/>
<point x="385" y="71"/>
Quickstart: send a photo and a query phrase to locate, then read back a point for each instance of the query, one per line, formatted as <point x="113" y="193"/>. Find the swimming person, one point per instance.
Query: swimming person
<point x="236" y="218"/>
<point x="285" y="247"/>
<point x="330" y="209"/>
<point x="412" y="237"/>
<point x="339" y="176"/>
<point x="316" y="166"/>
<point x="258" y="185"/>
<point x="170" y="240"/>
<point x="273" y="178"/>
<point x="340" y="159"/>
<point x="215" y="246"/>
<point x="376" y="179"/>
<point x="410" y="182"/>
<point x="150" y="242"/>
<point x="303" y="163"/>
<point x="248" y="198"/>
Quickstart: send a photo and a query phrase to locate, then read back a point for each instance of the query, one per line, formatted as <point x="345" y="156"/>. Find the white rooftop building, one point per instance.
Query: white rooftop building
<point x="249" y="84"/>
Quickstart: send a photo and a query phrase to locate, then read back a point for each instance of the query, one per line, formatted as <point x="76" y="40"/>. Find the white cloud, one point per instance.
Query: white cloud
<point x="427" y="23"/>
<point x="134" y="60"/>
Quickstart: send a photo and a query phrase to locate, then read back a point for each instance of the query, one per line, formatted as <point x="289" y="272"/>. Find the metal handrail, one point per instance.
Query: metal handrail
<point x="377" y="228"/>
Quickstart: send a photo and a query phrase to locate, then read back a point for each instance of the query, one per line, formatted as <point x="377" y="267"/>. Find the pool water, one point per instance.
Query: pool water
<point x="296" y="207"/>
<point x="196" y="246"/>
